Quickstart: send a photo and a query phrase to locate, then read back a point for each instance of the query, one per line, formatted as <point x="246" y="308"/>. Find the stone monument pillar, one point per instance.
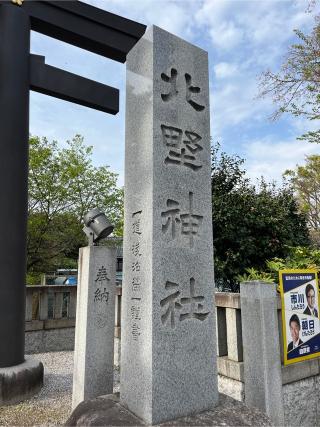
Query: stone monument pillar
<point x="94" y="340"/>
<point x="168" y="360"/>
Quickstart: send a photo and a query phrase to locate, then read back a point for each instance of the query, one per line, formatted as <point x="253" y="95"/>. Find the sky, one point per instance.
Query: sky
<point x="243" y="38"/>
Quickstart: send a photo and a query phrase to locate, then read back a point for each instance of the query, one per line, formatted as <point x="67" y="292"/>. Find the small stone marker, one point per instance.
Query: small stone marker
<point x="168" y="366"/>
<point x="94" y="340"/>
<point x="261" y="348"/>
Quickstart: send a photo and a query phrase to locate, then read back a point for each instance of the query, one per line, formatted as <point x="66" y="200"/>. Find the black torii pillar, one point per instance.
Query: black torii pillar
<point x="14" y="137"/>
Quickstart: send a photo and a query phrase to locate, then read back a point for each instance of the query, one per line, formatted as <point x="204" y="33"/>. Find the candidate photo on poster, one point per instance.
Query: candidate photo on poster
<point x="311" y="300"/>
<point x="294" y="325"/>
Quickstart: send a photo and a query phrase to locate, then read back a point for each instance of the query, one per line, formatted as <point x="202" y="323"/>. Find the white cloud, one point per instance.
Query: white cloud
<point x="255" y="36"/>
<point x="172" y="16"/>
<point x="253" y="24"/>
<point x="301" y="125"/>
<point x="269" y="159"/>
<point x="233" y="103"/>
<point x="226" y="35"/>
<point x="224" y="69"/>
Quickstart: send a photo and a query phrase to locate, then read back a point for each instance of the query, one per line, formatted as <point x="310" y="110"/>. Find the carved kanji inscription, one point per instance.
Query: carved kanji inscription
<point x="179" y="308"/>
<point x="176" y="222"/>
<point x="190" y="89"/>
<point x="183" y="147"/>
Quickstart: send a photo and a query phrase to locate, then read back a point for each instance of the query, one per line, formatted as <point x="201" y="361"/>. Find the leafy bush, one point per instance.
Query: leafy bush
<point x="298" y="258"/>
<point x="253" y="274"/>
<point x="251" y="223"/>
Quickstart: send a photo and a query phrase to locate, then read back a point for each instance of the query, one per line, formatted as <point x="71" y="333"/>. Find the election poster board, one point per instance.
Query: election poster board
<point x="300" y="315"/>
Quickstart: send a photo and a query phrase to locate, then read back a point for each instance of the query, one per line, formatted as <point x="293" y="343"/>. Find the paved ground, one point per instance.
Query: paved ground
<point x="52" y="406"/>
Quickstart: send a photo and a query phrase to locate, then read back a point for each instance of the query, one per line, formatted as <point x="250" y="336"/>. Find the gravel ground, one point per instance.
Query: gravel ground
<point x="52" y="405"/>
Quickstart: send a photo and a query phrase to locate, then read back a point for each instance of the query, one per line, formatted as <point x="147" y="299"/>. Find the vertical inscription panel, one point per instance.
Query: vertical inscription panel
<point x="136" y="312"/>
<point x="168" y="180"/>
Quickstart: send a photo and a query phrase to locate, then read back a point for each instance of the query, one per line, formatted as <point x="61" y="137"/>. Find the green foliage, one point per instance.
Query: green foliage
<point x="295" y="89"/>
<point x="311" y="136"/>
<point x="305" y="180"/>
<point x="63" y="186"/>
<point x="33" y="279"/>
<point x="297" y="258"/>
<point x="250" y="223"/>
<point x="252" y="274"/>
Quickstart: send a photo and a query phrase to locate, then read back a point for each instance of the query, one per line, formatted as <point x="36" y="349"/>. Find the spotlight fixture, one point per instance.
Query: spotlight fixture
<point x="97" y="226"/>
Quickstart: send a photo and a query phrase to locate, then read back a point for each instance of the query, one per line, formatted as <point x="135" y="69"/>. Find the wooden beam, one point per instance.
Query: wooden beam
<point x="71" y="87"/>
<point x="84" y="26"/>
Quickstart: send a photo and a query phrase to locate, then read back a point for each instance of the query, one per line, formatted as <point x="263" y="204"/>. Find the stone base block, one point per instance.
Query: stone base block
<point x="107" y="411"/>
<point x="20" y="382"/>
<point x="231" y="388"/>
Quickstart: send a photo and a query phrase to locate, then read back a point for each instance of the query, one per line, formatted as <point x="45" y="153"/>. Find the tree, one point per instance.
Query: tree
<point x="250" y="223"/>
<point x="305" y="180"/>
<point x="295" y="89"/>
<point x="63" y="186"/>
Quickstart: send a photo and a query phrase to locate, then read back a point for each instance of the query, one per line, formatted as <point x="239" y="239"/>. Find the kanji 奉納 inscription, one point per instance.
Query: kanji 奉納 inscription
<point x="102" y="275"/>
<point x="101" y="296"/>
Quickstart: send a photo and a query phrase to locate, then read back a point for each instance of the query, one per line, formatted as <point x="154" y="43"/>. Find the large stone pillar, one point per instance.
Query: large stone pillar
<point x="14" y="135"/>
<point x="168" y="360"/>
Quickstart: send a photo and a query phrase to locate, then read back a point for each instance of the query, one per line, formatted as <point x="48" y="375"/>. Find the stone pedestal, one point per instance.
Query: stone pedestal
<point x="168" y="355"/>
<point x="94" y="337"/>
<point x="108" y="411"/>
<point x="20" y="382"/>
<point x="261" y="352"/>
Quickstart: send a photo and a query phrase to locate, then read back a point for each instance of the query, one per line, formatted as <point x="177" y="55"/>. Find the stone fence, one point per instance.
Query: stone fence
<point x="293" y="389"/>
<point x="50" y="317"/>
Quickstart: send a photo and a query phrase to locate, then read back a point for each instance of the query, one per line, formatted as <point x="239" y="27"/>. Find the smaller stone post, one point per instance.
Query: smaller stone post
<point x="94" y="337"/>
<point x="261" y="349"/>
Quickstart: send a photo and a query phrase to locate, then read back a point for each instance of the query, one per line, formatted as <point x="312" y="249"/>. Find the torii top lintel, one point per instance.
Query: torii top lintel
<point x="84" y="26"/>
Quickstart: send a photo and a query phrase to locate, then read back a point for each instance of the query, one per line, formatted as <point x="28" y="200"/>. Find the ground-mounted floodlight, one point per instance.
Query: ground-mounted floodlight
<point x="97" y="226"/>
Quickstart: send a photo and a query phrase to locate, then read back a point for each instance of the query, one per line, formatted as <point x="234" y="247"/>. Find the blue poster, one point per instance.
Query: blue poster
<point x="300" y="315"/>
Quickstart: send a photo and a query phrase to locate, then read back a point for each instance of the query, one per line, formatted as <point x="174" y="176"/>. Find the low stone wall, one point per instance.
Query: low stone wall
<point x="301" y="402"/>
<point x="299" y="383"/>
<point x="43" y="341"/>
<point x="300" y="390"/>
<point x="230" y="378"/>
<point x="231" y="387"/>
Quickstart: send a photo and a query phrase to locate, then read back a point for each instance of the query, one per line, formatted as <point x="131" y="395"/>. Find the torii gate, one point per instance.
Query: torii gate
<point x="83" y="26"/>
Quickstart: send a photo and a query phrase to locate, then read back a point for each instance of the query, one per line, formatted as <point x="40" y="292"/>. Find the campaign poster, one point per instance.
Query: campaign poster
<point x="300" y="315"/>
